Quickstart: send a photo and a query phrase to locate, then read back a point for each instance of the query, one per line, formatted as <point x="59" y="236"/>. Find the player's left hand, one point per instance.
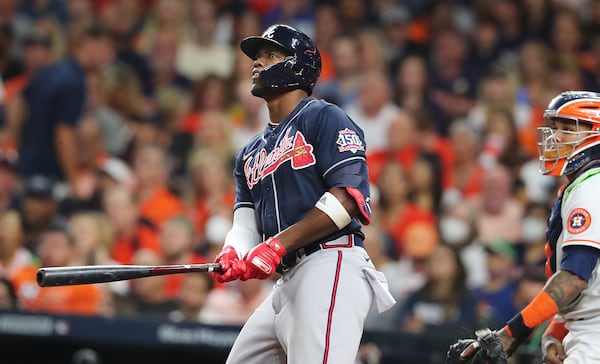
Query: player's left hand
<point x="263" y="259"/>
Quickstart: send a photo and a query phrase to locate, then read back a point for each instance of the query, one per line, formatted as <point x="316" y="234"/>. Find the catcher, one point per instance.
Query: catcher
<point x="569" y="145"/>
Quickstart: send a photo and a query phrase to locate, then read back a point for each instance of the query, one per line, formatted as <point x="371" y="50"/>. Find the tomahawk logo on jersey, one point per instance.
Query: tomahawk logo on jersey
<point x="316" y="140"/>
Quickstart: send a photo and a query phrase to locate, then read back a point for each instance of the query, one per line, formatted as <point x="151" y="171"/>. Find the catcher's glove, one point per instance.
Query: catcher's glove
<point x="488" y="350"/>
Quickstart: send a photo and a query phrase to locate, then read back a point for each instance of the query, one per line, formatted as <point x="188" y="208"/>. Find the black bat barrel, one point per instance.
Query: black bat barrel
<point x="65" y="276"/>
<point x="86" y="274"/>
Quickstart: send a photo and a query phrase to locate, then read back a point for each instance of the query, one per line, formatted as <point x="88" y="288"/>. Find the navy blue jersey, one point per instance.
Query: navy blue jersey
<point x="55" y="95"/>
<point x="282" y="172"/>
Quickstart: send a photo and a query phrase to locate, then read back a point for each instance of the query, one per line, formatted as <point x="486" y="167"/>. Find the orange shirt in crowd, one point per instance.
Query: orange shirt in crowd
<point x="78" y="300"/>
<point x="160" y="206"/>
<point x="377" y="160"/>
<point x="173" y="281"/>
<point x="442" y="148"/>
<point x="399" y="227"/>
<point x="201" y="211"/>
<point x="125" y="247"/>
<point x="472" y="188"/>
<point x="14" y="86"/>
<point x="528" y="134"/>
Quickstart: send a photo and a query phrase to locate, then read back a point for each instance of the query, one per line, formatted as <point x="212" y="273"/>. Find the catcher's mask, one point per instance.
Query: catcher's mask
<point x="571" y="136"/>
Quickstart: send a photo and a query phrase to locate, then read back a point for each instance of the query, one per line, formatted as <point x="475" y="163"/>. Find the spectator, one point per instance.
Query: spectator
<point x="147" y="297"/>
<point x="533" y="91"/>
<point x="36" y="55"/>
<point x="502" y="143"/>
<point x="344" y="87"/>
<point x="91" y="152"/>
<point x="56" y="249"/>
<point x="9" y="180"/>
<point x="444" y="302"/>
<point x="211" y="192"/>
<point x="374" y="109"/>
<point x="533" y="235"/>
<point x="401" y="145"/>
<point x="399" y="215"/>
<point x="39" y="209"/>
<point x="436" y="147"/>
<point x="200" y="54"/>
<point x="396" y="27"/>
<point x="466" y="176"/>
<point x="114" y="172"/>
<point x="131" y="231"/>
<point x="13" y="255"/>
<point x="80" y="13"/>
<point x="371" y="46"/>
<point x="411" y="87"/>
<point x="484" y="42"/>
<point x="155" y="201"/>
<point x="509" y="15"/>
<point x="123" y="19"/>
<point x="93" y="238"/>
<point x="163" y="53"/>
<point x="8" y="296"/>
<point x="496" y="294"/>
<point x="426" y="182"/>
<point x="497" y="207"/>
<point x="51" y="108"/>
<point x="165" y="17"/>
<point x="253" y="112"/>
<point x="177" y="243"/>
<point x="192" y="297"/>
<point x="216" y="229"/>
<point x="116" y="101"/>
<point x="458" y="227"/>
<point x="496" y="92"/>
<point x="298" y="14"/>
<point x="215" y="133"/>
<point x="328" y="28"/>
<point x="452" y="83"/>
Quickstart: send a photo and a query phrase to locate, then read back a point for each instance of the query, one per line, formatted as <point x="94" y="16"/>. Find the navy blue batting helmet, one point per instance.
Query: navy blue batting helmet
<point x="299" y="70"/>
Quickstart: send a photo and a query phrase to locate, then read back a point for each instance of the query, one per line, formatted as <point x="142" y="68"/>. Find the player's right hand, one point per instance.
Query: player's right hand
<point x="553" y="351"/>
<point x="232" y="267"/>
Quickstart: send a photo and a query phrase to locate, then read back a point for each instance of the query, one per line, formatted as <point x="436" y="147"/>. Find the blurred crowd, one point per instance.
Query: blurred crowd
<point x="119" y="121"/>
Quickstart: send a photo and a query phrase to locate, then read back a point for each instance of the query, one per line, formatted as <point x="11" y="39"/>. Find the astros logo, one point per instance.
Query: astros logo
<point x="579" y="221"/>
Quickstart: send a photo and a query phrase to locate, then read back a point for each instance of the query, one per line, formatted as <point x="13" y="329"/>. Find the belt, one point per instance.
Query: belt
<point x="345" y="241"/>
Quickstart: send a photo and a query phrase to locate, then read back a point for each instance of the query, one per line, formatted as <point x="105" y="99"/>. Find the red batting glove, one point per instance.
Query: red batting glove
<point x="232" y="267"/>
<point x="263" y="259"/>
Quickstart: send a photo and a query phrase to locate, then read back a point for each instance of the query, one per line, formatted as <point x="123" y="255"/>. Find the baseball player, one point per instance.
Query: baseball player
<point x="568" y="145"/>
<point x="302" y="192"/>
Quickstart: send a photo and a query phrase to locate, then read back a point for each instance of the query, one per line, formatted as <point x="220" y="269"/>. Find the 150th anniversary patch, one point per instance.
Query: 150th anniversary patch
<point x="348" y="140"/>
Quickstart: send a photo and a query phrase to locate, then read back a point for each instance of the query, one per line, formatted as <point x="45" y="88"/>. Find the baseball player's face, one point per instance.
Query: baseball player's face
<point x="266" y="56"/>
<point x="567" y="134"/>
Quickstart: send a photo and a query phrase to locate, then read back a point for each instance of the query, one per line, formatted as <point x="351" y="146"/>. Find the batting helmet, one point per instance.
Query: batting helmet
<point x="299" y="70"/>
<point x="563" y="152"/>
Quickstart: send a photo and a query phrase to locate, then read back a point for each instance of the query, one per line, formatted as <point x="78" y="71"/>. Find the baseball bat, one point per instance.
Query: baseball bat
<point x="86" y="274"/>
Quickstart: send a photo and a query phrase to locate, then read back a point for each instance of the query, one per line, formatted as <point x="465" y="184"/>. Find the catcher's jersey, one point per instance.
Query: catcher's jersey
<point x="282" y="172"/>
<point x="580" y="215"/>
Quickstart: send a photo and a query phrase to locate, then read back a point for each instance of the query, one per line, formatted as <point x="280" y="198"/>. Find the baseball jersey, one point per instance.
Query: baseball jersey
<point x="282" y="172"/>
<point x="574" y="212"/>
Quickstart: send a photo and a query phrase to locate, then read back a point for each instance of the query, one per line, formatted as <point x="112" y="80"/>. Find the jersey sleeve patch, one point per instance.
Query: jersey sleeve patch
<point x="579" y="221"/>
<point x="349" y="140"/>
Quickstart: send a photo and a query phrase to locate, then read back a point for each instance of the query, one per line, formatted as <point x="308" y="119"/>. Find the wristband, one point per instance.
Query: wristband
<point x="333" y="208"/>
